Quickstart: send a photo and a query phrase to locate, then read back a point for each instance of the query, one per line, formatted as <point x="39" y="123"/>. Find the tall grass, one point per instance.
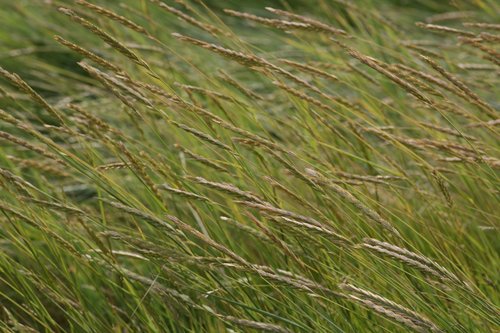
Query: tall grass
<point x="178" y="166"/>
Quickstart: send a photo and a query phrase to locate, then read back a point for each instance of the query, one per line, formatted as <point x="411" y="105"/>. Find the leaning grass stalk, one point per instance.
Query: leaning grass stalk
<point x="153" y="220"/>
<point x="486" y="37"/>
<point x="443" y="272"/>
<point x="55" y="205"/>
<point x="375" y="64"/>
<point x="303" y="96"/>
<point x="476" y="67"/>
<point x="189" y="19"/>
<point x="68" y="133"/>
<point x="89" y="55"/>
<point x="29" y="146"/>
<point x="490" y="161"/>
<point x="139" y="167"/>
<point x="104" y="79"/>
<point x="296" y="172"/>
<point x="118" y="84"/>
<point x="48" y="166"/>
<point x="309" y="69"/>
<point x="112" y="166"/>
<point x="286" y="25"/>
<point x="287" y="278"/>
<point x="293" y="280"/>
<point x="274" y="183"/>
<point x="183" y="193"/>
<point x="260" y="140"/>
<point x="314" y="230"/>
<point x="202" y="136"/>
<point x="7" y="117"/>
<point x="315" y="23"/>
<point x="449" y="131"/>
<point x="444" y="29"/>
<point x="390" y="309"/>
<point x="35" y="224"/>
<point x="367" y="211"/>
<point x="423" y="268"/>
<point x="221" y="122"/>
<point x="229" y="189"/>
<point x="442" y="187"/>
<point x="203" y="160"/>
<point x="21" y="84"/>
<point x="242" y="58"/>
<point x="416" y="82"/>
<point x="454" y="108"/>
<point x="382" y="300"/>
<point x="12" y="324"/>
<point x="221" y="248"/>
<point x="326" y="122"/>
<point x="423" y="144"/>
<point x="155" y="286"/>
<point x="491" y="26"/>
<point x="475" y="99"/>
<point x="146" y="248"/>
<point x="425" y="76"/>
<point x="204" y="91"/>
<point x="492" y="59"/>
<point x="256" y="325"/>
<point x="249" y="230"/>
<point x="268" y="208"/>
<point x="19" y="182"/>
<point x="247" y="60"/>
<point x="107" y="38"/>
<point x="115" y="17"/>
<point x="491" y="123"/>
<point x="371" y="179"/>
<point x="450" y="16"/>
<point x="350" y="5"/>
<point x="158" y="288"/>
<point x="493" y="55"/>
<point x="156" y="164"/>
<point x="362" y="73"/>
<point x="239" y="86"/>
<point x="274" y="239"/>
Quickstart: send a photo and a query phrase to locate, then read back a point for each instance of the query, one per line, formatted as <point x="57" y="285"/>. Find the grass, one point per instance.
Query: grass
<point x="180" y="166"/>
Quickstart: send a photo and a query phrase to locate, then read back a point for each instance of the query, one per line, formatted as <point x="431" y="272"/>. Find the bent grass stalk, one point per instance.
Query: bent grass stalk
<point x="234" y="185"/>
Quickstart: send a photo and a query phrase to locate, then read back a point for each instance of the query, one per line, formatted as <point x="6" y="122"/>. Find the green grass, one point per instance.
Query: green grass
<point x="197" y="190"/>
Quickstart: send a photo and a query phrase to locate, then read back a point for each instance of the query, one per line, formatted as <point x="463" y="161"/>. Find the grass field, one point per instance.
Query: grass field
<point x="247" y="166"/>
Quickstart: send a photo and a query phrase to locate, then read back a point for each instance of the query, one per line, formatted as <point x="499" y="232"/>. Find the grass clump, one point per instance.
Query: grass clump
<point x="180" y="166"/>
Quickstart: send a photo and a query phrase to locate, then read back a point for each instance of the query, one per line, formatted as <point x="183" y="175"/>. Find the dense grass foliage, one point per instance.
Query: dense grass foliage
<point x="182" y="166"/>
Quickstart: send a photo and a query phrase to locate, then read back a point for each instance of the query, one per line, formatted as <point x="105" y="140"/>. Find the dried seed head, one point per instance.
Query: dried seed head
<point x="21" y="84"/>
<point x="314" y="23"/>
<point x="111" y="41"/>
<point x="189" y="19"/>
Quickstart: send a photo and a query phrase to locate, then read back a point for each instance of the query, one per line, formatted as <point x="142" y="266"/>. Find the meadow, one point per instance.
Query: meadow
<point x="249" y="166"/>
